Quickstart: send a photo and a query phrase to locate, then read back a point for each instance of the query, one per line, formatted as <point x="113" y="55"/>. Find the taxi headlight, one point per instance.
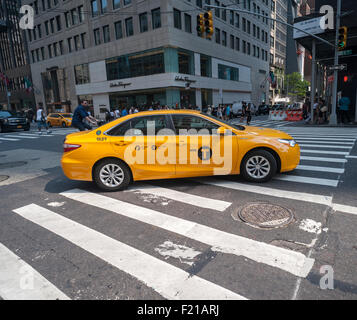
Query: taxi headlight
<point x="291" y="143"/>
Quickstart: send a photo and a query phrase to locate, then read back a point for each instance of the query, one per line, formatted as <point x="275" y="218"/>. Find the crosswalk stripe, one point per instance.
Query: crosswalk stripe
<point x="34" y="135"/>
<point x="8" y="139"/>
<point x="325" y="146"/>
<point x="317" y="136"/>
<point x="325" y="152"/>
<point x="336" y="160"/>
<point x="321" y="169"/>
<point x="290" y="261"/>
<point x="13" y="136"/>
<point x="300" y="196"/>
<point x="183" y="197"/>
<point x="326" y="142"/>
<point x="13" y="275"/>
<point x="169" y="281"/>
<point x="344" y="208"/>
<point x="301" y="179"/>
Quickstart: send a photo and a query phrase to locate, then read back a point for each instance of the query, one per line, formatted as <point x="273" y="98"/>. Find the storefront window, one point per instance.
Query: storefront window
<point x="228" y="73"/>
<point x="206" y="66"/>
<point x="137" y="65"/>
<point x="186" y="62"/>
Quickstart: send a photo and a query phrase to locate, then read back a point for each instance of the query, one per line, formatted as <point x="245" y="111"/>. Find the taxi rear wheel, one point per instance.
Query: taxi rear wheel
<point x="259" y="166"/>
<point x="112" y="175"/>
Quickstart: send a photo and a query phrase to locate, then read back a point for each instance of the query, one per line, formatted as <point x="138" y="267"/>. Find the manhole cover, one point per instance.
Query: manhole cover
<point x="3" y="178"/>
<point x="265" y="215"/>
<point x="12" y="164"/>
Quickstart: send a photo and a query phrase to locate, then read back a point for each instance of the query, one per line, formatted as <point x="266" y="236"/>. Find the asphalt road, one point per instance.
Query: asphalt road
<point x="177" y="238"/>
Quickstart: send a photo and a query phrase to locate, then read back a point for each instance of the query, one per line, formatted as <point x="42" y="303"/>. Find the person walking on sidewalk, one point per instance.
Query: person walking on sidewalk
<point x="248" y="112"/>
<point x="41" y="119"/>
<point x="81" y="115"/>
<point x="344" y="105"/>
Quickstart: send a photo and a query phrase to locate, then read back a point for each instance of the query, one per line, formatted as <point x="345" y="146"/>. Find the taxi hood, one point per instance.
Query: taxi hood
<point x="267" y="132"/>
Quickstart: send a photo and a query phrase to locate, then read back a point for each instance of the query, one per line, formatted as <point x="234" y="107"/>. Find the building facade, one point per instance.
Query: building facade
<point x="131" y="52"/>
<point x="15" y="80"/>
<point x="278" y="43"/>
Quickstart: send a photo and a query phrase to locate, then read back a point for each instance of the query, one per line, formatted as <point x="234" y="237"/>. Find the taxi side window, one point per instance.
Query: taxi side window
<point x="139" y="125"/>
<point x="193" y="124"/>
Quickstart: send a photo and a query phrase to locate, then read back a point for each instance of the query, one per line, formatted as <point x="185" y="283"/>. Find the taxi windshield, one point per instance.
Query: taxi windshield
<point x="238" y="127"/>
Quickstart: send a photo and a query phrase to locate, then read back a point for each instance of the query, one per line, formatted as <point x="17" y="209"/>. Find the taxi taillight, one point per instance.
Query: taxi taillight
<point x="70" y="147"/>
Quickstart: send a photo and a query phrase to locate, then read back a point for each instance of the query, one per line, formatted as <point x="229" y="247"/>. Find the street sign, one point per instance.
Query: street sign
<point x="312" y="25"/>
<point x="345" y="53"/>
<point x="340" y="67"/>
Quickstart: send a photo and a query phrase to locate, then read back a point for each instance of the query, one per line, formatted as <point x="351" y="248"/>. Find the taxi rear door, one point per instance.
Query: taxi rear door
<point x="149" y="151"/>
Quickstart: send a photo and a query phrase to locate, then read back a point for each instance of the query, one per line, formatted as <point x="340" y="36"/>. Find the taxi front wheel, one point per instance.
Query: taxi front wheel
<point x="259" y="166"/>
<point x="112" y="175"/>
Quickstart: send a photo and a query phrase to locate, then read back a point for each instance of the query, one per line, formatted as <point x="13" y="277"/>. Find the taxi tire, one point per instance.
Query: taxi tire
<point x="267" y="155"/>
<point x="123" y="166"/>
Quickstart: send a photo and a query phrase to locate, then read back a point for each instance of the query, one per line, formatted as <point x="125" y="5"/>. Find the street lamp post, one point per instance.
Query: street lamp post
<point x="333" y="116"/>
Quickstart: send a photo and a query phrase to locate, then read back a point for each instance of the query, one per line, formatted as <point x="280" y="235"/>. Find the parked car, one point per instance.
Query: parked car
<point x="11" y="121"/>
<point x="263" y="109"/>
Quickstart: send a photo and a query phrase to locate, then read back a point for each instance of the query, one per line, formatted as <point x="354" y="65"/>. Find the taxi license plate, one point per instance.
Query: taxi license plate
<point x="19" y="127"/>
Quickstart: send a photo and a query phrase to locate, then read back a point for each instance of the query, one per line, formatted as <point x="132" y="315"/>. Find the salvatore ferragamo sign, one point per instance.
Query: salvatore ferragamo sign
<point x="119" y="84"/>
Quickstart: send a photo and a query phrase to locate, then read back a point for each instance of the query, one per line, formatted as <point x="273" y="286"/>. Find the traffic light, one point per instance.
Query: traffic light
<point x="342" y="38"/>
<point x="200" y="25"/>
<point x="208" y="21"/>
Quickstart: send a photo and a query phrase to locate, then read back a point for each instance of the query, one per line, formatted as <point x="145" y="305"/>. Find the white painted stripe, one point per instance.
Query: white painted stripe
<point x="351" y="157"/>
<point x="183" y="197"/>
<point x="301" y="179"/>
<point x="351" y="144"/>
<point x="325" y="152"/>
<point x="34" y="135"/>
<point x="321" y="169"/>
<point x="288" y="260"/>
<point x="13" y="136"/>
<point x="169" y="281"/>
<point x="324" y="136"/>
<point x="345" y="209"/>
<point x="324" y="146"/>
<point x="300" y="196"/>
<point x="13" y="275"/>
<point x="8" y="139"/>
<point x="336" y="160"/>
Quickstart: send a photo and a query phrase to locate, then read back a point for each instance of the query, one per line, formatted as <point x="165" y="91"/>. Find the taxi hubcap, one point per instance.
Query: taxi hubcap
<point x="258" y="167"/>
<point x="111" y="175"/>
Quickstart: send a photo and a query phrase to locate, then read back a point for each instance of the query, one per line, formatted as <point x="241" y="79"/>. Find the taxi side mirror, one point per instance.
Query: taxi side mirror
<point x="221" y="131"/>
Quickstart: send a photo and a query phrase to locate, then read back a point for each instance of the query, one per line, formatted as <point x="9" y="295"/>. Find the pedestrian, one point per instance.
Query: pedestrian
<point x="344" y="105"/>
<point x="81" y="115"/>
<point x="316" y="106"/>
<point x="112" y="115"/>
<point x="305" y="109"/>
<point x="117" y="113"/>
<point x="248" y="112"/>
<point x="41" y="119"/>
<point x="124" y="112"/>
<point x="107" y="115"/>
<point x="219" y="112"/>
<point x="244" y="107"/>
<point x="136" y="110"/>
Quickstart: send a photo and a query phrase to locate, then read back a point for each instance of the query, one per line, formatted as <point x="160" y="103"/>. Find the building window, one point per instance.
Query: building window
<point x="116" y="4"/>
<point x="81" y="13"/>
<point x="74" y="15"/>
<point x="77" y="43"/>
<point x="135" y="65"/>
<point x="224" y="38"/>
<point x="83" y="40"/>
<point x="188" y="23"/>
<point x="206" y="66"/>
<point x="177" y="19"/>
<point x="94" y="6"/>
<point x="82" y="73"/>
<point x="156" y="18"/>
<point x="143" y="18"/>
<point x="228" y="73"/>
<point x="97" y="40"/>
<point x="186" y="62"/>
<point x="106" y="34"/>
<point x="118" y="30"/>
<point x="237" y="44"/>
<point x="104" y="6"/>
<point x="58" y="22"/>
<point x="69" y="43"/>
<point x="218" y="36"/>
<point x="232" y="42"/>
<point x="129" y="27"/>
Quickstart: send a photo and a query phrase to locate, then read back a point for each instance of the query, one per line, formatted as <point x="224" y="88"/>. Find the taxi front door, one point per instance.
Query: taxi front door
<point x="201" y="151"/>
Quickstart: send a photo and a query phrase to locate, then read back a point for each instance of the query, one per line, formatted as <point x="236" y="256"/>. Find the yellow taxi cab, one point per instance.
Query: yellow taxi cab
<point x="175" y="144"/>
<point x="59" y="120"/>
